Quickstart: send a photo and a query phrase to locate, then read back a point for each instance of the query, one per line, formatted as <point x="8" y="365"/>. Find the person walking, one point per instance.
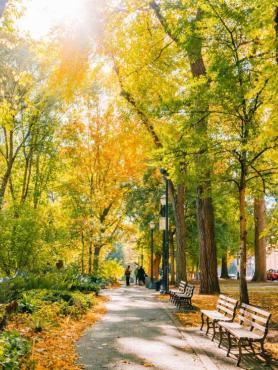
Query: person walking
<point x="141" y="276"/>
<point x="127" y="275"/>
<point x="136" y="275"/>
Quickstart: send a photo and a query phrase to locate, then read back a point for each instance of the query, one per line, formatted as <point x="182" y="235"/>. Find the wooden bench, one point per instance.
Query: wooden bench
<point x="251" y="327"/>
<point x="181" y="289"/>
<point x="184" y="299"/>
<point x="225" y="311"/>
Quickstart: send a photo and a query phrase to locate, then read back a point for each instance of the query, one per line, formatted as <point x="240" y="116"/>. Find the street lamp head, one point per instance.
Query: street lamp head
<point x="163" y="200"/>
<point x="152" y="225"/>
<point x="163" y="172"/>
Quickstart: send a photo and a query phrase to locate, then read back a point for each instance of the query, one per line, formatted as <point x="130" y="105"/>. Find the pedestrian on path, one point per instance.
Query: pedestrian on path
<point x="127" y="275"/>
<point x="141" y="276"/>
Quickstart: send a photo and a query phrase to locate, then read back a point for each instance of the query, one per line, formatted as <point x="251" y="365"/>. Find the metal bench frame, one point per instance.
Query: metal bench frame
<point x="181" y="290"/>
<point x="252" y="327"/>
<point x="184" y="299"/>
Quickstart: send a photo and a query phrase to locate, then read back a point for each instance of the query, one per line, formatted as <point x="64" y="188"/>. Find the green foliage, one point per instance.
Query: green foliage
<point x="110" y="271"/>
<point x="14" y="351"/>
<point x="26" y="304"/>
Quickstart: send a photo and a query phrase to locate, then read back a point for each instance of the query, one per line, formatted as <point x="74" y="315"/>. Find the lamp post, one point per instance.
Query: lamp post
<point x="152" y="227"/>
<point x="165" y="214"/>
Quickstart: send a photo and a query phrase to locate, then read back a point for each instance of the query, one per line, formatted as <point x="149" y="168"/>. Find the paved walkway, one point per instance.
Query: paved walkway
<point x="139" y="332"/>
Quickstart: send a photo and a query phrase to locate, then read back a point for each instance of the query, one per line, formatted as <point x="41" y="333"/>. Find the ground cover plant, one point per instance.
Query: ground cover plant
<point x="38" y="309"/>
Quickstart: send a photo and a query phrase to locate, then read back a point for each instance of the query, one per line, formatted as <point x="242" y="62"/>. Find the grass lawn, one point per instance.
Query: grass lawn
<point x="263" y="295"/>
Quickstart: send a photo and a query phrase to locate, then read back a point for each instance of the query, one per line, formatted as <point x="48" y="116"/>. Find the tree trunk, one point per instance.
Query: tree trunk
<point x="208" y="257"/>
<point x="243" y="241"/>
<point x="82" y="253"/>
<point x="224" y="266"/>
<point x="90" y="265"/>
<point x="260" y="242"/>
<point x="208" y="262"/>
<point x="96" y="258"/>
<point x="156" y="265"/>
<point x="172" y="256"/>
<point x="4" y="183"/>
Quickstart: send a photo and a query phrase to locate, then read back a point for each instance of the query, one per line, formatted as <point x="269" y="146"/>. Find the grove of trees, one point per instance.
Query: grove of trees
<point x="89" y="115"/>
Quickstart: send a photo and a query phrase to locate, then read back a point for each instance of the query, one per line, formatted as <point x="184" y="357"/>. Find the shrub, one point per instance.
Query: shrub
<point x="110" y="271"/>
<point x="14" y="351"/>
<point x="26" y="304"/>
<point x="85" y="286"/>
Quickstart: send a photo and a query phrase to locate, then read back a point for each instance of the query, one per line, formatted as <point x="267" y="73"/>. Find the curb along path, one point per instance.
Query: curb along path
<point x="140" y="332"/>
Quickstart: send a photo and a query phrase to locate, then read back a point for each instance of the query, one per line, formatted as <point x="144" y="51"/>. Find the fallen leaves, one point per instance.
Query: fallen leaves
<point x="54" y="348"/>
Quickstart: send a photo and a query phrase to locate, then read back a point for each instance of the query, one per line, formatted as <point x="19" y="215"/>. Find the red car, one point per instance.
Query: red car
<point x="272" y="275"/>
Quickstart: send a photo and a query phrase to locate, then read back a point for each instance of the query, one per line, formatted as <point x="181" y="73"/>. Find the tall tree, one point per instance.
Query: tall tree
<point x="260" y="239"/>
<point x="205" y="213"/>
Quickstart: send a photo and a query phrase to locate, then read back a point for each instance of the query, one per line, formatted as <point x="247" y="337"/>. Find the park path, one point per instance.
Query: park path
<point x="140" y="332"/>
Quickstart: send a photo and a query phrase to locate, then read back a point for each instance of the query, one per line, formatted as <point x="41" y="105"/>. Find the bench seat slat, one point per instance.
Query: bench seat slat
<point x="215" y="315"/>
<point x="240" y="332"/>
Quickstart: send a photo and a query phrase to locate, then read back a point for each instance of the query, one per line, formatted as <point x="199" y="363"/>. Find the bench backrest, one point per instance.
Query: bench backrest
<point x="189" y="290"/>
<point x="182" y="286"/>
<point x="227" y="306"/>
<point x="254" y="318"/>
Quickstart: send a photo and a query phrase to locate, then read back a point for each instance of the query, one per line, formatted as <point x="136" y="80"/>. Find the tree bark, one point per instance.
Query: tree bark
<point x="260" y="242"/>
<point x="243" y="239"/>
<point x="178" y="201"/>
<point x="96" y="258"/>
<point x="4" y="183"/>
<point x="90" y="262"/>
<point x="156" y="265"/>
<point x="224" y="266"/>
<point x="82" y="253"/>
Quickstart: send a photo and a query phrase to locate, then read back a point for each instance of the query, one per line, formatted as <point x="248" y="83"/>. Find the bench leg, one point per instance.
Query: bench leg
<point x="252" y="347"/>
<point x="207" y="326"/>
<point x="229" y="344"/>
<point x="214" y="330"/>
<point x="220" y="334"/>
<point x="202" y="318"/>
<point x="239" y="352"/>
<point x="262" y="347"/>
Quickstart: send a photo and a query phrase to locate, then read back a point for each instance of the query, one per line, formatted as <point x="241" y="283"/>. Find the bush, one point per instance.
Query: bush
<point x="110" y="271"/>
<point x="26" y="304"/>
<point x="60" y="280"/>
<point x="86" y="286"/>
<point x="15" y="351"/>
<point x="45" y="305"/>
